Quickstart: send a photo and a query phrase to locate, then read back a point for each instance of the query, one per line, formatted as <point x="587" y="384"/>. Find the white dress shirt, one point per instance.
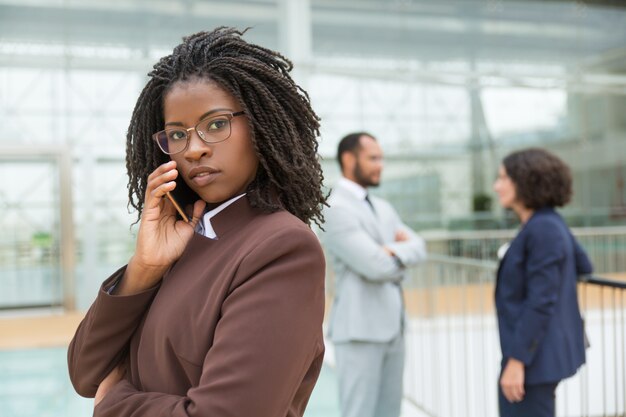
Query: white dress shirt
<point x="353" y="188"/>
<point x="204" y="226"/>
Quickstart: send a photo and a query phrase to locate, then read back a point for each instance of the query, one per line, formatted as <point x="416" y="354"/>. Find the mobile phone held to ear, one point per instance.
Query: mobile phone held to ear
<point x="180" y="210"/>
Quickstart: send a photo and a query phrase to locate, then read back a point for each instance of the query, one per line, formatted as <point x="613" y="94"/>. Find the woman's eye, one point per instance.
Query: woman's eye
<point x="217" y="124"/>
<point x="176" y="135"/>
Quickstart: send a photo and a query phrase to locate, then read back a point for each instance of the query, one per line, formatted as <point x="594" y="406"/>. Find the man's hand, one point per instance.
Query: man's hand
<point x="512" y="380"/>
<point x="109" y="382"/>
<point x="402" y="236"/>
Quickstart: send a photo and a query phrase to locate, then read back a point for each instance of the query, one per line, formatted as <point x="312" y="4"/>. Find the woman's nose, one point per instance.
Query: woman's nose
<point x="197" y="148"/>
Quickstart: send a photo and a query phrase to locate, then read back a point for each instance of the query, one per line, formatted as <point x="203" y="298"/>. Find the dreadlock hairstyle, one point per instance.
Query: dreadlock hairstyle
<point x="284" y="127"/>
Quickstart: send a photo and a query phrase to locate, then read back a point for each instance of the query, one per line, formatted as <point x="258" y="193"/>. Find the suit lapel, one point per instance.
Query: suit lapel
<point x="370" y="219"/>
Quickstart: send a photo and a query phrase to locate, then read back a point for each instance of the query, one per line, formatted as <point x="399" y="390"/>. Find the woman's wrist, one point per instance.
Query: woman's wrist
<point x="139" y="277"/>
<point x="515" y="363"/>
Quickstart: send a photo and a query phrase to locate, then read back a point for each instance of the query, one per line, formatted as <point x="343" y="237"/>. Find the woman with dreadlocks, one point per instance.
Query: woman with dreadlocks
<point x="220" y="315"/>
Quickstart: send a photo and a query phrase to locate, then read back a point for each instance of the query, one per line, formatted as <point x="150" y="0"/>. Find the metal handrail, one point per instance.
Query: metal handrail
<point x="590" y="279"/>
<point x="508" y="233"/>
<point x="455" y="260"/>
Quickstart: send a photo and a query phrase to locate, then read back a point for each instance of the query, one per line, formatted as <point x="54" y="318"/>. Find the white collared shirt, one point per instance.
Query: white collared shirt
<point x="354" y="188"/>
<point x="359" y="192"/>
<point x="204" y="226"/>
<point x="503" y="249"/>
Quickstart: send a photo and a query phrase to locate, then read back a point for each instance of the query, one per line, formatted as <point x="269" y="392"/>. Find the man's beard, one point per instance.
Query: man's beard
<point x="363" y="180"/>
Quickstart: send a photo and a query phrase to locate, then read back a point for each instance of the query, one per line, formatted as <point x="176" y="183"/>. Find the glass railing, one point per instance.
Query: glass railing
<point x="453" y="355"/>
<point x="606" y="246"/>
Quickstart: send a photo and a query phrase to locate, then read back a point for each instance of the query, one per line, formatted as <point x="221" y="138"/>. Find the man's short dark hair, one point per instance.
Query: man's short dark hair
<point x="350" y="143"/>
<point x="541" y="178"/>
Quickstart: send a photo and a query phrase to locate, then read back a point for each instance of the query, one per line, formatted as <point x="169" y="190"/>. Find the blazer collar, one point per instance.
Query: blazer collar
<point x="234" y="217"/>
<point x="540" y="212"/>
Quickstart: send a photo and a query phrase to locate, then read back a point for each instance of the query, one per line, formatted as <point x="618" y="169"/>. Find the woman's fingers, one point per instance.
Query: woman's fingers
<point x="109" y="382"/>
<point x="198" y="210"/>
<point x="512" y="380"/>
<point x="163" y="173"/>
<point x="160" y="182"/>
<point x="161" y="169"/>
<point x="513" y="392"/>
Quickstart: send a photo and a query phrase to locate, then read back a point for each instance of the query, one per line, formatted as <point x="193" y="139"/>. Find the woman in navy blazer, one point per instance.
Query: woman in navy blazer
<point x="541" y="329"/>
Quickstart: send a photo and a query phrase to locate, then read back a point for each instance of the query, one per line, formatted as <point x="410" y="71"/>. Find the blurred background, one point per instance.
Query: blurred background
<point x="448" y="87"/>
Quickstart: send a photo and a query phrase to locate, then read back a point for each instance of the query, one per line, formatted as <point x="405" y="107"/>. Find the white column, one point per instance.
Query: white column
<point x="295" y="32"/>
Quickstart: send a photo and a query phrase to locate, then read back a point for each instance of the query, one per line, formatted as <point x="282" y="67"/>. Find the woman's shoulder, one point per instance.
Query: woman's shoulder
<point x="243" y="221"/>
<point x="281" y="225"/>
<point x="281" y="237"/>
<point x="280" y="219"/>
<point x="545" y="221"/>
<point x="546" y="229"/>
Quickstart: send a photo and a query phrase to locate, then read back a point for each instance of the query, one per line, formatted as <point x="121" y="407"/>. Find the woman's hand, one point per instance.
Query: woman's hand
<point x="109" y="382"/>
<point x="512" y="380"/>
<point x="162" y="238"/>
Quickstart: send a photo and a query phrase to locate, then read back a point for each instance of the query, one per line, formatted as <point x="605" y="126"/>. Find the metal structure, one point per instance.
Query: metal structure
<point x="447" y="86"/>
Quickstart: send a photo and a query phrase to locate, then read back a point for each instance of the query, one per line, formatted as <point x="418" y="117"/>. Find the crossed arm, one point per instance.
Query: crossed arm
<point x="346" y="239"/>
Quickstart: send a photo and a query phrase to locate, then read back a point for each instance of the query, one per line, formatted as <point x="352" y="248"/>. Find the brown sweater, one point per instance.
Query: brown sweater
<point x="234" y="329"/>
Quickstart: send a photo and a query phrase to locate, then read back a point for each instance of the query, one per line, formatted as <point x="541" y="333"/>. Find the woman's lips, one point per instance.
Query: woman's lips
<point x="202" y="176"/>
<point x="205" y="178"/>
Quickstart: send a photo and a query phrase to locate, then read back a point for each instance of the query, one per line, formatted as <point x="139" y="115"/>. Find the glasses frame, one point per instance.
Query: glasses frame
<point x="187" y="130"/>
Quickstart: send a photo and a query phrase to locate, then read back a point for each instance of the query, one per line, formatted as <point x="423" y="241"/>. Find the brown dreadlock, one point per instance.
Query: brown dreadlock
<point x="284" y="126"/>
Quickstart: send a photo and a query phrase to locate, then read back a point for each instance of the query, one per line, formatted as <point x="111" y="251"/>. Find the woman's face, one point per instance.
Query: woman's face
<point x="505" y="188"/>
<point x="217" y="171"/>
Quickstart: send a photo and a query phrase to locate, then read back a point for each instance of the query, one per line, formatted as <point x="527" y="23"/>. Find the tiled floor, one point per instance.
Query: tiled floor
<point x="34" y="383"/>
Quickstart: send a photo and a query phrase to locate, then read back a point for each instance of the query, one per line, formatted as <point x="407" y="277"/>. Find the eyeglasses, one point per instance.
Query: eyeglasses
<point x="213" y="129"/>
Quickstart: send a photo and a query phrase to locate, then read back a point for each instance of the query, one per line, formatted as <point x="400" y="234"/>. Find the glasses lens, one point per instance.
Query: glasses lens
<point x="215" y="129"/>
<point x="176" y="140"/>
<point x="161" y="140"/>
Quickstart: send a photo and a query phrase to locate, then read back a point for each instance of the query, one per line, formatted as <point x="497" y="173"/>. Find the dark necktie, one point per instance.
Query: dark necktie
<point x="369" y="202"/>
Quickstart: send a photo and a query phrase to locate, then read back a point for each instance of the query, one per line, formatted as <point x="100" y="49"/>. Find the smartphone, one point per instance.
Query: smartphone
<point x="180" y="210"/>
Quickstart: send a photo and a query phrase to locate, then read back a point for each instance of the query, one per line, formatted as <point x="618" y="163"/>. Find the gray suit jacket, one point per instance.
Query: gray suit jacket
<point x="368" y="302"/>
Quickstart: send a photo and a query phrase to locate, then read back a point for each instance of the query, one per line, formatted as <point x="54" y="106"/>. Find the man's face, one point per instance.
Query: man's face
<point x="369" y="163"/>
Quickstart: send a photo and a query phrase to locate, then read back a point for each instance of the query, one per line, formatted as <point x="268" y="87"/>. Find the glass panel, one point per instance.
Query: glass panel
<point x="30" y="238"/>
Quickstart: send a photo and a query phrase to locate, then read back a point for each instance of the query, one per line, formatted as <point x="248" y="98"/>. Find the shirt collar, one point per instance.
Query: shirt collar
<point x="353" y="188"/>
<point x="205" y="227"/>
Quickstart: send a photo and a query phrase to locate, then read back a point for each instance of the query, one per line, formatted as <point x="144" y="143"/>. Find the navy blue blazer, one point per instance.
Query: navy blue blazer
<point x="536" y="300"/>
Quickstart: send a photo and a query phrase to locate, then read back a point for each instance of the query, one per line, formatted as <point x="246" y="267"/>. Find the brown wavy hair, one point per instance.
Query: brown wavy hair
<point x="284" y="126"/>
<point x="541" y="178"/>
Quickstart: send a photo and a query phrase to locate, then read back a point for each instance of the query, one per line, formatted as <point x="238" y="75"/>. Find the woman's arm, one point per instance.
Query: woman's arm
<point x="545" y="248"/>
<point x="101" y="338"/>
<point x="583" y="264"/>
<point x="268" y="342"/>
<point x="346" y="239"/>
